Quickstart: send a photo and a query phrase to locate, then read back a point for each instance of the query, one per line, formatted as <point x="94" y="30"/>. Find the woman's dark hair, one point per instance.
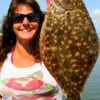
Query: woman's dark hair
<point x="9" y="37"/>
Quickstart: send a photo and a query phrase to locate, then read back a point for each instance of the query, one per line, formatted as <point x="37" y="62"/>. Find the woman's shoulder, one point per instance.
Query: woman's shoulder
<point x="2" y="62"/>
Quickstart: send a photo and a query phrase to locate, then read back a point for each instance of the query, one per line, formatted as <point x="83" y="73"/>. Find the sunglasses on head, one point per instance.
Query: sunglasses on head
<point x="32" y="17"/>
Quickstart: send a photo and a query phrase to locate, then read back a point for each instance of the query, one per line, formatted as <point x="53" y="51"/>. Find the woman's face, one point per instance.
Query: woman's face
<point x="25" y="28"/>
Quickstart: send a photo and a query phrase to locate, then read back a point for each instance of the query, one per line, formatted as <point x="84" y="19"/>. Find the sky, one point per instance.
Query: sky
<point x="93" y="7"/>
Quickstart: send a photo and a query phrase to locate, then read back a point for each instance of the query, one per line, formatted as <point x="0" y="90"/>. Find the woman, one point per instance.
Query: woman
<point x="23" y="75"/>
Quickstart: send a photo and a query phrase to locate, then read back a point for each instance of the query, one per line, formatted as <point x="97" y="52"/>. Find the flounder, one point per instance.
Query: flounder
<point x="69" y="45"/>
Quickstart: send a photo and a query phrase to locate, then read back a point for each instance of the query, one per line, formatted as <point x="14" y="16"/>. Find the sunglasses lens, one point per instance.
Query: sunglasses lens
<point x="33" y="17"/>
<point x="17" y="18"/>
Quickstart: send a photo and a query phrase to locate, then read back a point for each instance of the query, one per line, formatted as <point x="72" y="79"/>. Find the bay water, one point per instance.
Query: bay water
<point x="91" y="89"/>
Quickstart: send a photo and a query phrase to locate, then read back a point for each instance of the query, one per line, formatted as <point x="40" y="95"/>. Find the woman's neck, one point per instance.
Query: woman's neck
<point x="22" y="56"/>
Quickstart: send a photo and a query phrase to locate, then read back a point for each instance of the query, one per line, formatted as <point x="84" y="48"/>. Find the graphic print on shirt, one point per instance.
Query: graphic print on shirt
<point x="31" y="87"/>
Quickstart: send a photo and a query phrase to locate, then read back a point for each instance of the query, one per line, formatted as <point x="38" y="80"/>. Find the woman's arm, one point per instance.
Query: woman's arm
<point x="0" y="98"/>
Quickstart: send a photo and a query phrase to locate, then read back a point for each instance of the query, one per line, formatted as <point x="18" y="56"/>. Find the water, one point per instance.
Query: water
<point x="91" y="90"/>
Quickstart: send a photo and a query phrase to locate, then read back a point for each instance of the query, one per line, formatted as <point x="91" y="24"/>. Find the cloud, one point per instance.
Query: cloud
<point x="95" y="14"/>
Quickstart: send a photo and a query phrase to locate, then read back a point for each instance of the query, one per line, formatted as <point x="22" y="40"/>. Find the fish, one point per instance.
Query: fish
<point x="69" y="45"/>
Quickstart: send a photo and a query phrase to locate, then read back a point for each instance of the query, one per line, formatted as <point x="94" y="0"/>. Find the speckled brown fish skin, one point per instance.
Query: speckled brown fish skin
<point x="69" y="45"/>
